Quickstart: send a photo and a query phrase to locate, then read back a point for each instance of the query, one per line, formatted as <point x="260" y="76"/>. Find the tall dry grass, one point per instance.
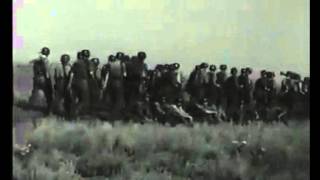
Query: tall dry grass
<point x="71" y="150"/>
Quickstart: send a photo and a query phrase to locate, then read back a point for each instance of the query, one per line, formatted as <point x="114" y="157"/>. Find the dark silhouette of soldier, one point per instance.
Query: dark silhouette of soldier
<point x="136" y="74"/>
<point x="290" y="91"/>
<point x="78" y="84"/>
<point x="213" y="91"/>
<point x="260" y="94"/>
<point x="113" y="74"/>
<point x="173" y="84"/>
<point x="231" y="89"/>
<point x="245" y="85"/>
<point x="94" y="81"/>
<point x="220" y="80"/>
<point x="62" y="95"/>
<point x="200" y="82"/>
<point x="222" y="75"/>
<point x="156" y="83"/>
<point x="245" y="95"/>
<point x="143" y="109"/>
<point x="42" y="78"/>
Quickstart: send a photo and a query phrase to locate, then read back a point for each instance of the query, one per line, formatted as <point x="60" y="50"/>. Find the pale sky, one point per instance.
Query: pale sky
<point x="272" y="34"/>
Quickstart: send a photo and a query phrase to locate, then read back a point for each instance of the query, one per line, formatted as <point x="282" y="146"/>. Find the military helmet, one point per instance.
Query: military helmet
<point x="204" y="65"/>
<point x="234" y="70"/>
<point x="111" y="58"/>
<point x="126" y="58"/>
<point x="175" y="66"/>
<point x="45" y="51"/>
<point x="80" y="55"/>
<point x="96" y="61"/>
<point x="86" y="53"/>
<point x="134" y="58"/>
<point x="223" y="67"/>
<point x="142" y="55"/>
<point x="249" y="70"/>
<point x="119" y="55"/>
<point x="65" y="58"/>
<point x="213" y="67"/>
<point x="243" y="70"/>
<point x="270" y="74"/>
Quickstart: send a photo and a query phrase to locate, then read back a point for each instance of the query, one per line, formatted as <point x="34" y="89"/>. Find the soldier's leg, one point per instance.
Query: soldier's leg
<point x="84" y="97"/>
<point x="68" y="104"/>
<point x="48" y="95"/>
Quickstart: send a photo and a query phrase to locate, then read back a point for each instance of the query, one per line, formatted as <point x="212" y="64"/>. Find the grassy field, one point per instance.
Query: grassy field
<point x="92" y="149"/>
<point x="95" y="150"/>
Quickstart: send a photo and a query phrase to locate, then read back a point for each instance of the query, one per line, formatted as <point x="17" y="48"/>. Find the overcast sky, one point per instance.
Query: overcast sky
<point x="272" y="34"/>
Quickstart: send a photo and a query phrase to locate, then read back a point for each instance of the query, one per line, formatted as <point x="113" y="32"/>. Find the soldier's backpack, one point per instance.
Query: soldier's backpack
<point x="116" y="69"/>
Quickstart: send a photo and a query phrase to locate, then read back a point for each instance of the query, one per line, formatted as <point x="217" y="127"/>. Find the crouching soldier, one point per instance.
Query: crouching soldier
<point x="203" y="112"/>
<point x="143" y="109"/>
<point x="42" y="78"/>
<point x="160" y="109"/>
<point x="179" y="115"/>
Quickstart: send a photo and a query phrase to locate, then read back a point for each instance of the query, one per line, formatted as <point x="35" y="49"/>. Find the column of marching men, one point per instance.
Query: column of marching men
<point x="125" y="88"/>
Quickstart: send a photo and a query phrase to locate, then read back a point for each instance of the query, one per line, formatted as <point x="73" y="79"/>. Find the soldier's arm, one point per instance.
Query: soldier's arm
<point x="71" y="74"/>
<point x="124" y="69"/>
<point x="105" y="76"/>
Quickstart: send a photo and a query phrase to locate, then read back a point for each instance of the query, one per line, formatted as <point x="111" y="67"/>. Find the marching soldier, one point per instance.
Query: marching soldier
<point x="260" y="94"/>
<point x="136" y="74"/>
<point x="78" y="84"/>
<point x="231" y="89"/>
<point x="113" y="74"/>
<point x="94" y="81"/>
<point x="213" y="92"/>
<point x="220" y="81"/>
<point x="61" y="77"/>
<point x="42" y="79"/>
<point x="222" y="75"/>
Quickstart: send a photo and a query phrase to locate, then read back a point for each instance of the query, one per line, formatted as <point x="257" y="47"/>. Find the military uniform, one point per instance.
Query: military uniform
<point x="213" y="91"/>
<point x="114" y="90"/>
<point x="136" y="73"/>
<point x="231" y="89"/>
<point x="42" y="80"/>
<point x="80" y="86"/>
<point x="63" y="97"/>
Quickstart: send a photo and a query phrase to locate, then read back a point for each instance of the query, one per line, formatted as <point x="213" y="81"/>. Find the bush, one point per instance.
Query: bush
<point x="95" y="149"/>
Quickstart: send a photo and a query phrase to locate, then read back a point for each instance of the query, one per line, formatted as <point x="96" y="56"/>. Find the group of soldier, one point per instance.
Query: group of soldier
<point x="124" y="88"/>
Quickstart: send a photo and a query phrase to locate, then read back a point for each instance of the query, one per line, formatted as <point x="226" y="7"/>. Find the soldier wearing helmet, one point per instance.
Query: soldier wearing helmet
<point x="142" y="56"/>
<point x="213" y="91"/>
<point x="245" y="85"/>
<point x="78" y="82"/>
<point x="113" y="75"/>
<point x="173" y="84"/>
<point x="222" y="75"/>
<point x="62" y="95"/>
<point x="136" y="76"/>
<point x="120" y="56"/>
<point x="231" y="89"/>
<point x="42" y="79"/>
